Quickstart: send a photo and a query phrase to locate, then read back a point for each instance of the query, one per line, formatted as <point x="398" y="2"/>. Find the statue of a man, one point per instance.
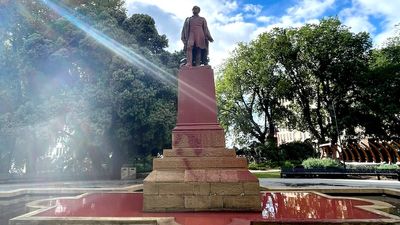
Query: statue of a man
<point x="195" y="37"/>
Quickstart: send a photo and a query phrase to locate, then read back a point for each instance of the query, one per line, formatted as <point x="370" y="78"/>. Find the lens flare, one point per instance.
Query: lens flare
<point x="122" y="51"/>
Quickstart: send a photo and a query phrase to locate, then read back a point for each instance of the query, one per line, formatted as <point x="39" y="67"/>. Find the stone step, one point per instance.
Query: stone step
<point x="220" y="175"/>
<point x="201" y="176"/>
<point x="227" y="202"/>
<point x="198" y="139"/>
<point x="199" y="152"/>
<point x="180" y="163"/>
<point x="171" y="203"/>
<point x="201" y="188"/>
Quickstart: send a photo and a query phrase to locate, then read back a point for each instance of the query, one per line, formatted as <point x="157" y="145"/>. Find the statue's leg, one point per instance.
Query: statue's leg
<point x="204" y="56"/>
<point x="189" y="56"/>
<point x="194" y="52"/>
<point x="198" y="56"/>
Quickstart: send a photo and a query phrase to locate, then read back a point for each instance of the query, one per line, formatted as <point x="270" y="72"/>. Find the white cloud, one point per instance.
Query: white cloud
<point x="264" y="19"/>
<point x="226" y="25"/>
<point x="231" y="21"/>
<point x="358" y="23"/>
<point x="310" y="8"/>
<point x="305" y="11"/>
<point x="359" y="14"/>
<point x="226" y="20"/>
<point x="228" y="36"/>
<point x="254" y="10"/>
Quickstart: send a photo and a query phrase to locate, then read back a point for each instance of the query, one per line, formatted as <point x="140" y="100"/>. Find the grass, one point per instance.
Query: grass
<point x="273" y="174"/>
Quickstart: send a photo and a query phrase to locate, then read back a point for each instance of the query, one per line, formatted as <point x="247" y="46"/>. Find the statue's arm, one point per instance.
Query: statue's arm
<point x="184" y="31"/>
<point x="207" y="32"/>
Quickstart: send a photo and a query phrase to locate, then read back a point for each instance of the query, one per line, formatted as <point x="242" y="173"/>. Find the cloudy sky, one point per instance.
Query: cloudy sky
<point x="233" y="21"/>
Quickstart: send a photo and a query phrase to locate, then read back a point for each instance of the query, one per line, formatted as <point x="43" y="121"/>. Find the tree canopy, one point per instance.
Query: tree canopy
<point x="61" y="90"/>
<point x="320" y="78"/>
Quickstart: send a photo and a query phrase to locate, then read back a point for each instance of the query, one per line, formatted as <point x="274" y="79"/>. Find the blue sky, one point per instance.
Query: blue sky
<point x="233" y="21"/>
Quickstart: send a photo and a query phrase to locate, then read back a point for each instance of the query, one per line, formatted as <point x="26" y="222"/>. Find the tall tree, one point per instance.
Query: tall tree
<point x="143" y="28"/>
<point x="323" y="62"/>
<point x="310" y="72"/>
<point x="378" y="93"/>
<point x="95" y="104"/>
<point x="250" y="93"/>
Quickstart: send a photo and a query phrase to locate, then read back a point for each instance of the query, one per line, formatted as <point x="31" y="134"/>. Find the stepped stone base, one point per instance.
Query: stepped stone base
<point x="199" y="179"/>
<point x="198" y="173"/>
<point x="201" y="190"/>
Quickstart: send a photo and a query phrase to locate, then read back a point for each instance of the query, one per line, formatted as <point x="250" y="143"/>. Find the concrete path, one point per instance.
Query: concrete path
<point x="71" y="184"/>
<point x="265" y="182"/>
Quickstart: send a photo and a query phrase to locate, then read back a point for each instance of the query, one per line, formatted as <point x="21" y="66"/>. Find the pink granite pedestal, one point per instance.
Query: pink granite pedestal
<point x="199" y="173"/>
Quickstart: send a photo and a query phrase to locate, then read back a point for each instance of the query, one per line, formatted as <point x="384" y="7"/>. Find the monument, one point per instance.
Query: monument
<point x="196" y="37"/>
<point x="199" y="173"/>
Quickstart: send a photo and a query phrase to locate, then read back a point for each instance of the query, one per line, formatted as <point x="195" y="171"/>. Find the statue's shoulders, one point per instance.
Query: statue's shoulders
<point x="196" y="17"/>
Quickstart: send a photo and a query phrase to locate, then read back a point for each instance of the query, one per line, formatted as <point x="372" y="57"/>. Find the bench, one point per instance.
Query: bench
<point x="339" y="172"/>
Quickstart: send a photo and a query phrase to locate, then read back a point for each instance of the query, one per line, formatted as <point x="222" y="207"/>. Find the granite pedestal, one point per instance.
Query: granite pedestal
<point x="199" y="173"/>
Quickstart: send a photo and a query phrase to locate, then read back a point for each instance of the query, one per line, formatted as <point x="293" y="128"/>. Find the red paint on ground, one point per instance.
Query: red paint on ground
<point x="286" y="207"/>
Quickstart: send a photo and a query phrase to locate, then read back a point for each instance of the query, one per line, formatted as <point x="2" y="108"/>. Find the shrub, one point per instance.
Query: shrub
<point x="314" y="163"/>
<point x="258" y="166"/>
<point x="361" y="167"/>
<point x="273" y="164"/>
<point x="387" y="167"/>
<point x="144" y="164"/>
<point x="253" y="166"/>
<point x="297" y="151"/>
<point x="287" y="165"/>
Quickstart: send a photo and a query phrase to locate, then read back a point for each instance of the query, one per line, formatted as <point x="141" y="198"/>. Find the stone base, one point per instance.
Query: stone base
<point x="184" y="136"/>
<point x="201" y="190"/>
<point x="199" y="173"/>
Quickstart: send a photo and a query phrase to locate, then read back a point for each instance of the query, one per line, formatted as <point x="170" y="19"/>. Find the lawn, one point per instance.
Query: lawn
<point x="268" y="174"/>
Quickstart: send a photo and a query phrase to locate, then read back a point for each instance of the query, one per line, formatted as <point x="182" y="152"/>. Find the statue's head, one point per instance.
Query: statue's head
<point x="196" y="10"/>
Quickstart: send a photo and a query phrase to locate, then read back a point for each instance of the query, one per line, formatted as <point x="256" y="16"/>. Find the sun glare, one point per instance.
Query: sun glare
<point x="122" y="51"/>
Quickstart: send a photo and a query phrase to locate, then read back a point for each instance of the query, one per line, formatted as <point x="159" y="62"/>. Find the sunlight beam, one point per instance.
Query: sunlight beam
<point x="122" y="51"/>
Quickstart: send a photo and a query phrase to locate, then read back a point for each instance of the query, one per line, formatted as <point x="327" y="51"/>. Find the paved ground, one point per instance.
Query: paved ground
<point x="327" y="183"/>
<point x="70" y="184"/>
<point x="266" y="182"/>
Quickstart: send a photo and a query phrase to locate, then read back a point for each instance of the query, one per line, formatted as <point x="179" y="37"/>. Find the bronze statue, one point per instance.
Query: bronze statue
<point x="195" y="37"/>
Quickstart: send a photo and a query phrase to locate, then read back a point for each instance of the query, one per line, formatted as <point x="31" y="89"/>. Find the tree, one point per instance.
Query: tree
<point x="378" y="93"/>
<point x="143" y="28"/>
<point x="323" y="62"/>
<point x="302" y="78"/>
<point x="100" y="108"/>
<point x="250" y="93"/>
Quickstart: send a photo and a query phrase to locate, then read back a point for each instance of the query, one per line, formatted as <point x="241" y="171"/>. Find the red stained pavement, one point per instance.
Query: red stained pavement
<point x="291" y="206"/>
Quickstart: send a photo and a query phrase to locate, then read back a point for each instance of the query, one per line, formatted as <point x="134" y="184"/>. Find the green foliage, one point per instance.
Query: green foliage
<point x="253" y="166"/>
<point x="313" y="65"/>
<point x="143" y="27"/>
<point x="249" y="93"/>
<point x="287" y="165"/>
<point x="320" y="78"/>
<point x="60" y="87"/>
<point x="263" y="165"/>
<point x="388" y="167"/>
<point x="297" y="151"/>
<point x="373" y="167"/>
<point x="315" y="163"/>
<point x="322" y="61"/>
<point x="270" y="156"/>
<point x="378" y="109"/>
<point x="268" y="174"/>
<point x="361" y="166"/>
<point x="144" y="164"/>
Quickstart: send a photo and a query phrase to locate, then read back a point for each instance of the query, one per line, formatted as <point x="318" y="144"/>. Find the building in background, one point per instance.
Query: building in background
<point x="286" y="136"/>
